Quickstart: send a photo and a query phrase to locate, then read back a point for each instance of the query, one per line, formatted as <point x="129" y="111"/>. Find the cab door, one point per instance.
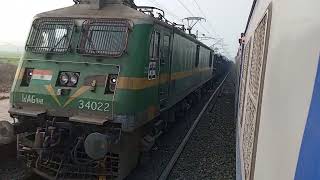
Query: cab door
<point x="165" y="70"/>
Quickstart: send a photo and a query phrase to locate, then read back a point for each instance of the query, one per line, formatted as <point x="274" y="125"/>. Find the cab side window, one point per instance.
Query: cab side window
<point x="211" y="59"/>
<point x="197" y="56"/>
<point x="165" y="49"/>
<point x="154" y="51"/>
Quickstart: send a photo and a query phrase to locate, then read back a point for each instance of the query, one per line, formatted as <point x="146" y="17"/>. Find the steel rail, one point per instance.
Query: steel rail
<point x="166" y="172"/>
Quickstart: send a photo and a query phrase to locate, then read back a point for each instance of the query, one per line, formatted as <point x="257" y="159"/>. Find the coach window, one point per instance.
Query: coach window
<point x="155" y="46"/>
<point x="197" y="56"/>
<point x="211" y="59"/>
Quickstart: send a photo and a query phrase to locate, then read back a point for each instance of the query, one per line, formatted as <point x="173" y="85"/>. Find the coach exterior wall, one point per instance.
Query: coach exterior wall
<point x="292" y="60"/>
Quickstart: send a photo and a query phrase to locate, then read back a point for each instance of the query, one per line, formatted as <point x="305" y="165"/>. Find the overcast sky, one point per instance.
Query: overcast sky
<point x="225" y="18"/>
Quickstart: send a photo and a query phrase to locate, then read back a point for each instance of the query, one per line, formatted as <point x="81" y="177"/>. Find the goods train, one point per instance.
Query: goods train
<point x="97" y="84"/>
<point x="279" y="92"/>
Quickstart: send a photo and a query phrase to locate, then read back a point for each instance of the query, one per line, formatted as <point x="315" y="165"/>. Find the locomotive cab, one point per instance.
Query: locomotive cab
<point x="74" y="66"/>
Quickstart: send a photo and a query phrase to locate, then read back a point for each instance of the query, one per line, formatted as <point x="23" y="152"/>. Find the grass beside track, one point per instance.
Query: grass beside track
<point x="9" y="57"/>
<point x="13" y="61"/>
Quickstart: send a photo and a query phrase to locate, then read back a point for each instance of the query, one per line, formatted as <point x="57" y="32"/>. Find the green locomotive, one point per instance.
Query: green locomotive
<point x="94" y="82"/>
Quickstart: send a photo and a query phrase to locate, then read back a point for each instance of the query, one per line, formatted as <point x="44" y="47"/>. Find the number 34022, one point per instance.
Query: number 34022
<point x="94" y="106"/>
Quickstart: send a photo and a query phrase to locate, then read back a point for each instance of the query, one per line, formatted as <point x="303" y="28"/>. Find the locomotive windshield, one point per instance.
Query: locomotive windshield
<point x="97" y="38"/>
<point x="104" y="38"/>
<point x="50" y="36"/>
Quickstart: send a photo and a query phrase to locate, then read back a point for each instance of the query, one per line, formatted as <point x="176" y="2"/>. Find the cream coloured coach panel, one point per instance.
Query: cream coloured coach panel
<point x="258" y="13"/>
<point x="292" y="62"/>
<point x="279" y="92"/>
<point x="250" y="93"/>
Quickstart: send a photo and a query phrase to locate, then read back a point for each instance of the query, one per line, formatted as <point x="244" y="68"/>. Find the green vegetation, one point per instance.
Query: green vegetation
<point x="9" y="60"/>
<point x="5" y="54"/>
<point x="9" y="57"/>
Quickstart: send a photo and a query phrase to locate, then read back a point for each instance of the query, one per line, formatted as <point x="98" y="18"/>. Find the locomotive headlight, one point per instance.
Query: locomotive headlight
<point x="68" y="79"/>
<point x="64" y="79"/>
<point x="74" y="78"/>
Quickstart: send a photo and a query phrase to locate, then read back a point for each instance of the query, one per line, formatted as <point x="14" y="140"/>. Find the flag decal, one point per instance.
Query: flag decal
<point x="44" y="75"/>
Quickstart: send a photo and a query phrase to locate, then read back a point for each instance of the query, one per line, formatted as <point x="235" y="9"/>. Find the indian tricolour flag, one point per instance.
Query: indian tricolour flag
<point x="44" y="75"/>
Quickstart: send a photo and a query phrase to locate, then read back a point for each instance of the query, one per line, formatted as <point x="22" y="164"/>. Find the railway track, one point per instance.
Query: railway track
<point x="166" y="172"/>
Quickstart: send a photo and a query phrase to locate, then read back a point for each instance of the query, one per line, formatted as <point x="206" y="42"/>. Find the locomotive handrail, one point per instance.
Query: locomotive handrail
<point x="150" y="9"/>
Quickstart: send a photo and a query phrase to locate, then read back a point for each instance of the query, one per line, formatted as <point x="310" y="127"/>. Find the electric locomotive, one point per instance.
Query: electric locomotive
<point x="93" y="83"/>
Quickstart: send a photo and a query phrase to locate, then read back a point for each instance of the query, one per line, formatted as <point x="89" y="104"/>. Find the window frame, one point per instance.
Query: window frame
<point x="153" y="45"/>
<point x="34" y="33"/>
<point x="211" y="58"/>
<point x="165" y="48"/>
<point x="82" y="41"/>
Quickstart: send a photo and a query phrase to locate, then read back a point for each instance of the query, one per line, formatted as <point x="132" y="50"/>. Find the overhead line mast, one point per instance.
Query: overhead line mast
<point x="220" y="40"/>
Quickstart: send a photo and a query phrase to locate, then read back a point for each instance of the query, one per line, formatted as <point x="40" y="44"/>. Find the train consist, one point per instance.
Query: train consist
<point x="97" y="84"/>
<point x="279" y="92"/>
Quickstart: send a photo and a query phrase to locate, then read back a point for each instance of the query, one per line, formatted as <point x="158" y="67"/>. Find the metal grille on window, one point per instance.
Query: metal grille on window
<point x="50" y="36"/>
<point x="252" y="97"/>
<point x="104" y="38"/>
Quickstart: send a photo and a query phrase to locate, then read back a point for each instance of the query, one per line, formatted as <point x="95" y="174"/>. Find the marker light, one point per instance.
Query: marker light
<point x="112" y="83"/>
<point x="113" y="80"/>
<point x="27" y="77"/>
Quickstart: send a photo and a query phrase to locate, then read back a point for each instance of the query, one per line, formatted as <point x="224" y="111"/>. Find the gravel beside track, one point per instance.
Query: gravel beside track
<point x="210" y="151"/>
<point x="154" y="162"/>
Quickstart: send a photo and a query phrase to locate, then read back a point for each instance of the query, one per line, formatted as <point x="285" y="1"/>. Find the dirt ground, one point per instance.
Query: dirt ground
<point x="7" y="73"/>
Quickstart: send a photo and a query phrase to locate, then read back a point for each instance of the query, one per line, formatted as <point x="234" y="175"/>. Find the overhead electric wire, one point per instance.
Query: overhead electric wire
<point x="198" y="6"/>
<point x="225" y="50"/>
<point x="204" y="28"/>
<point x="204" y="14"/>
<point x="185" y="7"/>
<point x="176" y="17"/>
